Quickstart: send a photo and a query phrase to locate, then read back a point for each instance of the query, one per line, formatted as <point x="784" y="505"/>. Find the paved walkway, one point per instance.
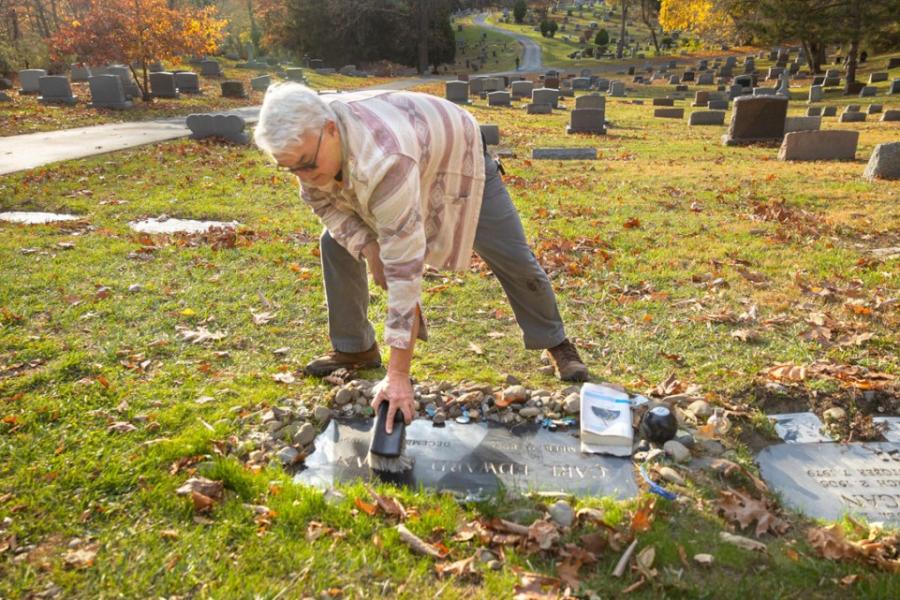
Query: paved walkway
<point x="23" y="152"/>
<point x="531" y="58"/>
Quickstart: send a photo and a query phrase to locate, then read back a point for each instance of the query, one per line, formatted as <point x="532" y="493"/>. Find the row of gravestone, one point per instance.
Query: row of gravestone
<point x="116" y="90"/>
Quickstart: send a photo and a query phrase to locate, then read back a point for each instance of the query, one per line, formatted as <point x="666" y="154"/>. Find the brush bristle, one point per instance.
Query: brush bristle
<point x="385" y="464"/>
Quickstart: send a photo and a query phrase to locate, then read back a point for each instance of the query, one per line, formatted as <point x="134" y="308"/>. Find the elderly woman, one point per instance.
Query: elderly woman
<point x="402" y="180"/>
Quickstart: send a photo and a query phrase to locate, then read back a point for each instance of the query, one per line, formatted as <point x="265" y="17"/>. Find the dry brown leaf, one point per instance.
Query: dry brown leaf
<point x="544" y="533"/>
<point x="752" y="276"/>
<point x="389" y="505"/>
<point x="121" y="427"/>
<point x="202" y="485"/>
<point x="704" y="559"/>
<point x="461" y="568"/>
<point x="202" y="503"/>
<point x="727" y="467"/>
<point x="285" y="377"/>
<point x="786" y="372"/>
<point x="81" y="558"/>
<point x="534" y="586"/>
<point x="567" y="571"/>
<point x="594" y="542"/>
<point x="744" y="509"/>
<point x="315" y="530"/>
<point x="644" y="562"/>
<point x="476" y="349"/>
<point x="199" y="335"/>
<point x="261" y="318"/>
<point x="369" y="509"/>
<point x="642" y="518"/>
<point x="746" y="335"/>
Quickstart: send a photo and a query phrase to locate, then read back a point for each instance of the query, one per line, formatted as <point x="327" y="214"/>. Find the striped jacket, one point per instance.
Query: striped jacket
<point x="412" y="179"/>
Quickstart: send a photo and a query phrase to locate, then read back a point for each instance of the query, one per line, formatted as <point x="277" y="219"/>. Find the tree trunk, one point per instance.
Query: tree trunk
<point x="421" y="8"/>
<point x="620" y="47"/>
<point x="645" y="16"/>
<point x="853" y="53"/>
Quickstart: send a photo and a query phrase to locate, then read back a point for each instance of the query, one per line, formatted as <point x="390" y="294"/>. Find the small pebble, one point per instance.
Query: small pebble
<point x="514" y="393"/>
<point x="671" y="475"/>
<point x="700" y="408"/>
<point x="343" y="396"/>
<point x="572" y="404"/>
<point x="288" y="456"/>
<point x="677" y="451"/>
<point x="529" y="412"/>
<point x="305" y="435"/>
<point x="834" y="414"/>
<point x="561" y="512"/>
<point x="495" y="565"/>
<point x="321" y="414"/>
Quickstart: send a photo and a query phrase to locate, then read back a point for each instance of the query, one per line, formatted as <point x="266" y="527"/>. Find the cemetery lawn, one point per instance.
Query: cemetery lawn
<point x="26" y="115"/>
<point x="674" y="258"/>
<point x="471" y="35"/>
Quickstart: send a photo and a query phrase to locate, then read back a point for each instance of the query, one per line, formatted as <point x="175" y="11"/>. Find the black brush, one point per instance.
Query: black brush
<point x="387" y="450"/>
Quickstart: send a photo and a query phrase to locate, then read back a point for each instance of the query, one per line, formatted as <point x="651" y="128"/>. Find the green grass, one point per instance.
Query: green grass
<point x="63" y="476"/>
<point x="506" y="47"/>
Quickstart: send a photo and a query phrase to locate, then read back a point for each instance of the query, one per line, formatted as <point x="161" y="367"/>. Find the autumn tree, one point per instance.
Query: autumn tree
<point x="138" y="31"/>
<point x="709" y="20"/>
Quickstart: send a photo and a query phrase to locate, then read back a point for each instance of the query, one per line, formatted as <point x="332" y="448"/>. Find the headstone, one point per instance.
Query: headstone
<point x="476" y="85"/>
<point x="669" y="113"/>
<point x="4" y="97"/>
<point x="707" y="117"/>
<point x="521" y="89"/>
<point x="774" y="73"/>
<point x="852" y="117"/>
<point x="233" y="88"/>
<point x="564" y="154"/>
<point x="551" y="82"/>
<point x="187" y="82"/>
<point x="878" y="77"/>
<point x="829" y="111"/>
<point x="895" y="87"/>
<point x="814" y="111"/>
<point x="663" y="102"/>
<point x="884" y="162"/>
<point x="316" y="63"/>
<point x="581" y="83"/>
<point x="538" y="109"/>
<point x="868" y="91"/>
<point x="757" y="120"/>
<point x="802" y="124"/>
<point x="28" y="78"/>
<point x="827" y="481"/>
<point x="674" y="79"/>
<point x="347" y="70"/>
<point x="261" y="83"/>
<point x="700" y="99"/>
<point x="587" y="120"/>
<point x="874" y="109"/>
<point x="210" y="68"/>
<point x="706" y="79"/>
<point x="128" y="84"/>
<point x="765" y="92"/>
<point x="156" y="67"/>
<point x="893" y="62"/>
<point x="687" y="76"/>
<point x="545" y="96"/>
<point x="229" y="127"/>
<point x="819" y="145"/>
<point x="717" y="104"/>
<point x="816" y="93"/>
<point x="784" y="87"/>
<point x="617" y="89"/>
<point x="55" y="89"/>
<point x="590" y="101"/>
<point x="162" y="85"/>
<point x="602" y="84"/>
<point x="735" y="91"/>
<point x="80" y="72"/>
<point x="499" y="98"/>
<point x="294" y="74"/>
<point x="457" y="91"/>
<point x="107" y="92"/>
<point x="890" y="115"/>
<point x="491" y="134"/>
<point x="472" y="460"/>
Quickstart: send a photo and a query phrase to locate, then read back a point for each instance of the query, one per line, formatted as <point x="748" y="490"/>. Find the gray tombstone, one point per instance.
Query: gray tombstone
<point x="128" y="84"/>
<point x="765" y="92"/>
<point x="819" y="145"/>
<point x="261" y="83"/>
<point x="707" y="117"/>
<point x="852" y="117"/>
<point x="878" y="77"/>
<point x="706" y="79"/>
<point x="669" y="113"/>
<point x="499" y="98"/>
<point x="347" y="70"/>
<point x="874" y="109"/>
<point x="718" y="104"/>
<point x="233" y="88"/>
<point x="829" y="111"/>
<point x="564" y="154"/>
<point x="538" y="109"/>
<point x="210" y="68"/>
<point x="802" y="124"/>
<point x="80" y="72"/>
<point x="868" y="91"/>
<point x="55" y="89"/>
<point x="663" y="102"/>
<point x="316" y="63"/>
<point x="814" y="111"/>
<point x="156" y="67"/>
<point x="816" y="93"/>
<point x="107" y="92"/>
<point x="587" y="120"/>
<point x="826" y="481"/>
<point x="774" y="73"/>
<point x="687" y="77"/>
<point x="735" y="91"/>
<point x="545" y="96"/>
<point x="852" y="108"/>
<point x="493" y="84"/>
<point x="29" y="80"/>
<point x="617" y="89"/>
<point x="890" y="115"/>
<point x="187" y="82"/>
<point x="895" y="87"/>
<point x="756" y="120"/>
<point x="522" y="89"/>
<point x="884" y="162"/>
<point x="294" y="74"/>
<point x="673" y="79"/>
<point x="581" y="83"/>
<point x="491" y="134"/>
<point x="228" y="127"/>
<point x="551" y="82"/>
<point x="602" y="84"/>
<point x="590" y="101"/>
<point x="162" y="85"/>
<point x="784" y="87"/>
<point x="701" y="99"/>
<point x="457" y="91"/>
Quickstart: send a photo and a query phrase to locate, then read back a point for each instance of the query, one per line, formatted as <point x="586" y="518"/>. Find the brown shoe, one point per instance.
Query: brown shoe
<point x="334" y="360"/>
<point x="567" y="363"/>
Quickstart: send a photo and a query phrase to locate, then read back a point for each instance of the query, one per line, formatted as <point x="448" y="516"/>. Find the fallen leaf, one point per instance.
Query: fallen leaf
<point x="202" y="485"/>
<point x="285" y="377"/>
<point x="460" y="568"/>
<point x="121" y="427"/>
<point x="261" y="318"/>
<point x="315" y="530"/>
<point x="745" y="335"/>
<point x="849" y="580"/>
<point x="476" y="348"/>
<point x="81" y="558"/>
<point x="202" y="502"/>
<point x="786" y="372"/>
<point x="744" y="509"/>
<point x="741" y="541"/>
<point x="567" y="571"/>
<point x="594" y="542"/>
<point x="704" y="559"/>
<point x="644" y="562"/>
<point x="534" y="586"/>
<point x="389" y="505"/>
<point x="199" y="335"/>
<point x="369" y="509"/>
<point x="632" y="223"/>
<point x="642" y="518"/>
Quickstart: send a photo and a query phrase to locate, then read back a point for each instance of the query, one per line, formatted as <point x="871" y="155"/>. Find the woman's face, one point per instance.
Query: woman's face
<point x="316" y="157"/>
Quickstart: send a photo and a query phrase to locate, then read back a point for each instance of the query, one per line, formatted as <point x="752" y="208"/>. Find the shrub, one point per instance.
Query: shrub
<point x="548" y="28"/>
<point x="519" y="11"/>
<point x="602" y="38"/>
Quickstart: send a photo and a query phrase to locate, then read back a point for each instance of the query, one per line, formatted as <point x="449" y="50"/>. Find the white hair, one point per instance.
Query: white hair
<point x="290" y="110"/>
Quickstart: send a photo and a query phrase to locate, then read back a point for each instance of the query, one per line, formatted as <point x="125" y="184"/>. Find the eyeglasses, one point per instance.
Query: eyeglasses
<point x="310" y="166"/>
